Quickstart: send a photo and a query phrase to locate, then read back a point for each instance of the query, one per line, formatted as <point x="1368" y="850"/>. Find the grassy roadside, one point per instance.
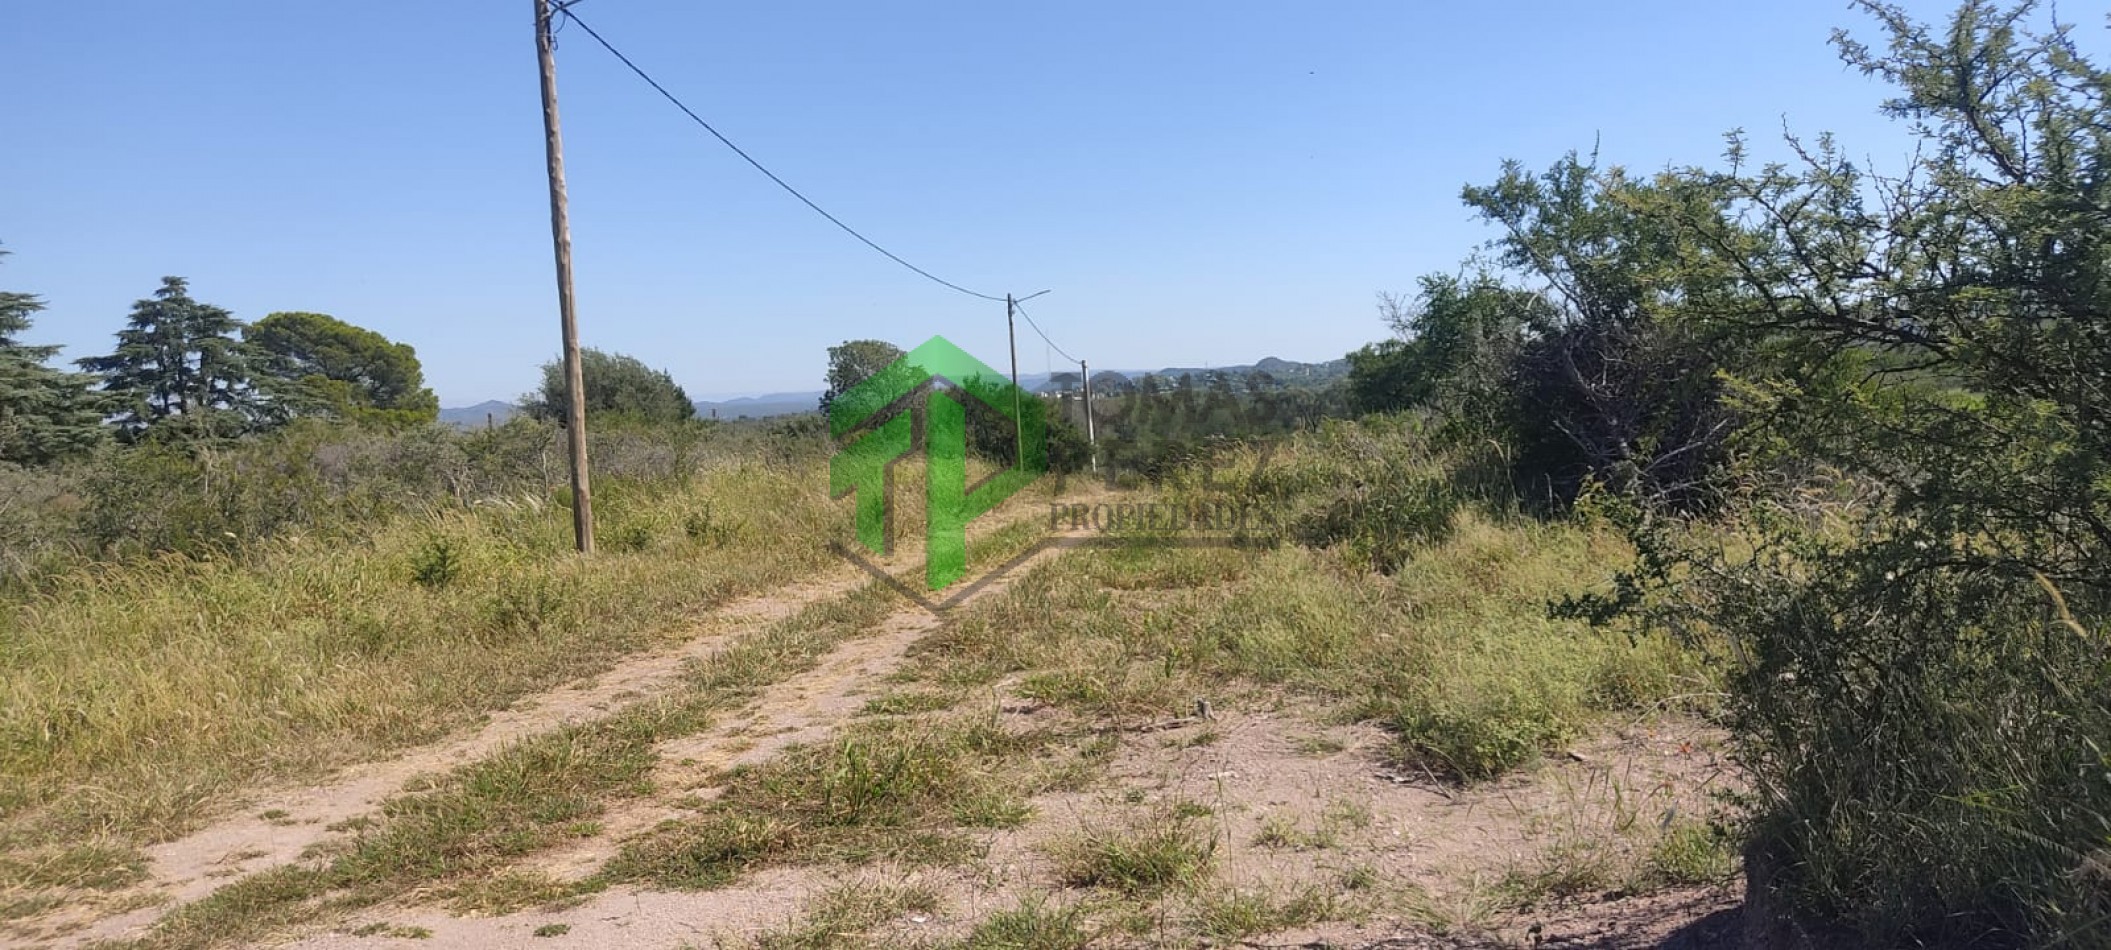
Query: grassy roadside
<point x="1454" y="654"/>
<point x="135" y="696"/>
<point x="1453" y="651"/>
<point x="925" y="778"/>
<point x="463" y="833"/>
<point x="1436" y="627"/>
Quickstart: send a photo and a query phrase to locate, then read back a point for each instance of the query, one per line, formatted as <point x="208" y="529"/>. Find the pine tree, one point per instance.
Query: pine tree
<point x="180" y="366"/>
<point x="45" y="413"/>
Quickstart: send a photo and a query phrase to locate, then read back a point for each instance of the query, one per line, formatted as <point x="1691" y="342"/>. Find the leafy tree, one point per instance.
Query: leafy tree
<point x="1901" y="379"/>
<point x="180" y="369"/>
<point x="1574" y="355"/>
<point x="316" y="364"/>
<point x="852" y="363"/>
<point x="993" y="435"/>
<point x="1450" y="345"/>
<point x="1154" y="428"/>
<point x="1609" y="384"/>
<point x="617" y="386"/>
<point x="45" y="413"/>
<point x="1920" y="595"/>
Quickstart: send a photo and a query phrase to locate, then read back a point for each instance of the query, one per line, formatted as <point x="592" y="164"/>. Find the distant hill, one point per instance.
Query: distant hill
<point x="1284" y="372"/>
<point x="760" y="407"/>
<point x="472" y="416"/>
<point x="1294" y="373"/>
<point x="746" y="407"/>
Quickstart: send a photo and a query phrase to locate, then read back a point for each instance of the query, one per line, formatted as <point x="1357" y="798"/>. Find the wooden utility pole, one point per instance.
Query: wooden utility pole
<point x="1084" y="370"/>
<point x="561" y="238"/>
<point x="1011" y="329"/>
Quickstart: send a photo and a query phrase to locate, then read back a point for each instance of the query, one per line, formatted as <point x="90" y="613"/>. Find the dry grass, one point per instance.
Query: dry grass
<point x="1235" y="914"/>
<point x="305" y="658"/>
<point x="135" y="696"/>
<point x="1455" y="653"/>
<point x="844" y="915"/>
<point x="462" y="836"/>
<point x="1626" y="831"/>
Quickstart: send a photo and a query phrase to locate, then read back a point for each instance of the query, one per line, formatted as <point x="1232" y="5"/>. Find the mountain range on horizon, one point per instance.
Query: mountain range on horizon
<point x="771" y="405"/>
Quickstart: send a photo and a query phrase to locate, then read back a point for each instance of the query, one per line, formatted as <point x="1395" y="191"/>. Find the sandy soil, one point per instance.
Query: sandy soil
<point x="1443" y="845"/>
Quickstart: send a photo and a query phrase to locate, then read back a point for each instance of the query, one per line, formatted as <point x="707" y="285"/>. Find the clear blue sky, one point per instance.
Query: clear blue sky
<point x="1200" y="183"/>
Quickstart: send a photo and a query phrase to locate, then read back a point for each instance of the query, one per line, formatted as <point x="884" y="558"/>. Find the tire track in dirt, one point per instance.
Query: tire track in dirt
<point x="1257" y="772"/>
<point x="280" y="826"/>
<point x="801" y="710"/>
<point x="193" y="866"/>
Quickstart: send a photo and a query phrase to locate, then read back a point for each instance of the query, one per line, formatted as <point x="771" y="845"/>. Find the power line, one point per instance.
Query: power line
<point x="737" y="150"/>
<point x="1037" y="331"/>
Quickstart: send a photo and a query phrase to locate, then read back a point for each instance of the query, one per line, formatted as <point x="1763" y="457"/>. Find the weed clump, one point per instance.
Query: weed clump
<point x="1232" y="916"/>
<point x="1143" y="860"/>
<point x="887" y="789"/>
<point x="1036" y="924"/>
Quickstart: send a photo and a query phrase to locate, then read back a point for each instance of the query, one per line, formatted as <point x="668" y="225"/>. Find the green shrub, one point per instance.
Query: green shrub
<point x="1481" y="737"/>
<point x="1931" y="750"/>
<point x="1383" y="521"/>
<point x="1689" y="853"/>
<point x="1455" y="652"/>
<point x="1377" y="490"/>
<point x="155" y="498"/>
<point x="436" y="563"/>
<point x="323" y="481"/>
<point x="526" y="606"/>
<point x="630" y="536"/>
<point x="40" y="513"/>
